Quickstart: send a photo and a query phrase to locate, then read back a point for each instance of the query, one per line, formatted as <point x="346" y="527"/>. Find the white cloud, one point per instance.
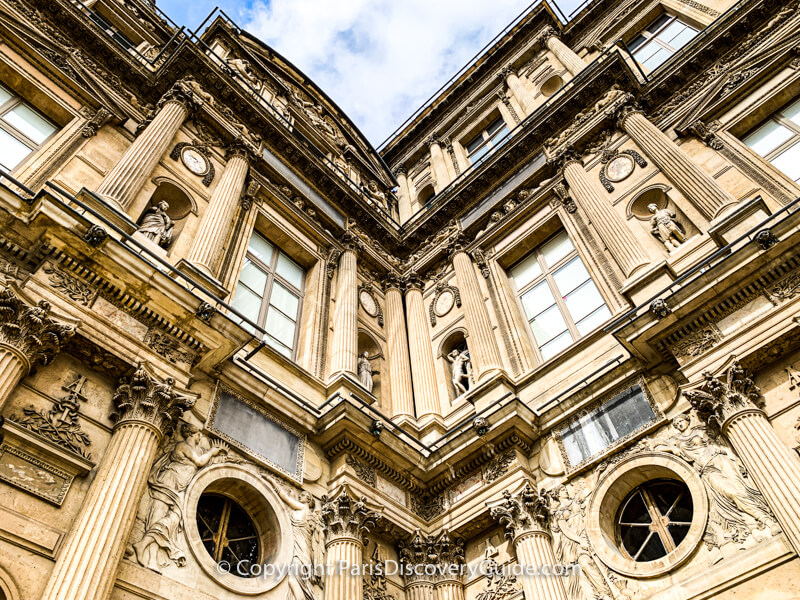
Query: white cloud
<point x="380" y="59"/>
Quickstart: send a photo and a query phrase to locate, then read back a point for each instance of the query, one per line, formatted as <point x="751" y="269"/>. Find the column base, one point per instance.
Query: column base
<point x="431" y="427"/>
<point x="646" y="283"/>
<point x="109" y="208"/>
<point x="211" y="283"/>
<point x="733" y="221"/>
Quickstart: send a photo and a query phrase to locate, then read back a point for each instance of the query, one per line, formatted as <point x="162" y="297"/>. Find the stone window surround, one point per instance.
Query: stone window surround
<point x="264" y="508"/>
<point x="615" y="485"/>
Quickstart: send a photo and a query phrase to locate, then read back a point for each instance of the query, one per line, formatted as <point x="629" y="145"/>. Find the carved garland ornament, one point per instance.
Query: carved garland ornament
<point x="618" y="166"/>
<point x="196" y="159"/>
<point x="368" y="300"/>
<point x="445" y="297"/>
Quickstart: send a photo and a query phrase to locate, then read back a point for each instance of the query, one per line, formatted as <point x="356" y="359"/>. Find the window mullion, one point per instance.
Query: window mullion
<point x="562" y="306"/>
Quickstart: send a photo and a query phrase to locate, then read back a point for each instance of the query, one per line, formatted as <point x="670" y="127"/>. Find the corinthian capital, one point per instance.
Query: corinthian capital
<point x="526" y="511"/>
<point x="144" y="397"/>
<point x="30" y="329"/>
<point x="718" y="399"/>
<point x="345" y="517"/>
<point x="544" y="34"/>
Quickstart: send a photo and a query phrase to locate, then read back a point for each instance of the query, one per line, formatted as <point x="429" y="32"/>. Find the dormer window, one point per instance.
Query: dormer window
<point x="490" y="137"/>
<point x="660" y="40"/>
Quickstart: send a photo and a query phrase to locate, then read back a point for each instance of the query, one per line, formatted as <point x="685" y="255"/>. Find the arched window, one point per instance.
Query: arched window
<point x="227" y="532"/>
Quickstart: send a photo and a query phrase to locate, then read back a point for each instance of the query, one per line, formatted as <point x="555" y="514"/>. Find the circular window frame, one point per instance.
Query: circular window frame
<point x="224" y="480"/>
<point x="615" y="486"/>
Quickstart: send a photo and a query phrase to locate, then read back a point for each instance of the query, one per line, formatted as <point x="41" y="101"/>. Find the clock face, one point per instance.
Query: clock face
<point x="619" y="167"/>
<point x="368" y="303"/>
<point x="194" y="161"/>
<point x="444" y="303"/>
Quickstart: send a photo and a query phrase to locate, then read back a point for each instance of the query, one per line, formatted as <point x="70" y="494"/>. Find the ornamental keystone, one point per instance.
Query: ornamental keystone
<point x="143" y="397"/>
<point x="30" y="329"/>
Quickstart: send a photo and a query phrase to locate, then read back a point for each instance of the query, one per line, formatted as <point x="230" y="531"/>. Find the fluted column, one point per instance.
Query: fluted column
<point x="87" y="564"/>
<point x="733" y="406"/>
<point x="403" y="195"/>
<point x="214" y="227"/>
<point x="124" y="181"/>
<point x="399" y="362"/>
<point x="423" y="368"/>
<point x="483" y="349"/>
<point x="700" y="188"/>
<point x="449" y="589"/>
<point x="346" y="522"/>
<point x="450" y="558"/>
<point x="565" y="55"/>
<point x="344" y="344"/>
<point x="518" y="90"/>
<point x="438" y="165"/>
<point x="524" y="517"/>
<point x="431" y="566"/>
<point x="28" y="337"/>
<point x="612" y="228"/>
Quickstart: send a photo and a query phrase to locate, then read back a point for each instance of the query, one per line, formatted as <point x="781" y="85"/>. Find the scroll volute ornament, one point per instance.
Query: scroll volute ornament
<point x="523" y="512"/>
<point x="343" y="516"/>
<point x="717" y="400"/>
<point x="145" y="398"/>
<point x="30" y="328"/>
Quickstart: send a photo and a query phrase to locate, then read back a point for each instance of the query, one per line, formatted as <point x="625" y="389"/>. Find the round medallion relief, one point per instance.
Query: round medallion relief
<point x="619" y="167"/>
<point x="368" y="303"/>
<point x="444" y="303"/>
<point x="194" y="160"/>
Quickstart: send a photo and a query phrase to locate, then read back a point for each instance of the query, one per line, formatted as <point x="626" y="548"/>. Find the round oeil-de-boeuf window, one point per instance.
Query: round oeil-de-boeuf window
<point x="654" y="519"/>
<point x="227" y="531"/>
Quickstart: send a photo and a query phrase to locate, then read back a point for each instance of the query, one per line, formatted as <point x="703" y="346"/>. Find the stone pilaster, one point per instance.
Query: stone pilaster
<point x="344" y="345"/>
<point x="483" y="349"/>
<point x="29" y="337"/>
<point x="215" y="225"/>
<point x="147" y="410"/>
<point x="438" y="165"/>
<point x="611" y="227"/>
<point x="734" y="407"/>
<point x="346" y="523"/>
<point x="524" y="517"/>
<point x="699" y="187"/>
<point x="124" y="181"/>
<point x="565" y="55"/>
<point x="403" y="195"/>
<point x="402" y="393"/>
<point x="519" y="91"/>
<point x="423" y="369"/>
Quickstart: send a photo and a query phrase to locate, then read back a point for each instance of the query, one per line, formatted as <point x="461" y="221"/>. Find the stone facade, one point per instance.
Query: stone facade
<point x="551" y="323"/>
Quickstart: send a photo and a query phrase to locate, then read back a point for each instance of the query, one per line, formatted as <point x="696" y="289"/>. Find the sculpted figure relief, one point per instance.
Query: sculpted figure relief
<point x="160" y="518"/>
<point x="732" y="496"/>
<point x="365" y="371"/>
<point x="571" y="545"/>
<point x="665" y="228"/>
<point x="157" y="225"/>
<point x="462" y="370"/>
<point x="309" y="542"/>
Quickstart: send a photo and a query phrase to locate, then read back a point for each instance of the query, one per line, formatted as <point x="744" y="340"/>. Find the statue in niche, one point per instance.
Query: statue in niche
<point x="462" y="370"/>
<point x="732" y="496"/>
<point x="160" y="516"/>
<point x="156" y="224"/>
<point x="665" y="228"/>
<point x="373" y="192"/>
<point x="309" y="542"/>
<point x="571" y="544"/>
<point x="365" y="371"/>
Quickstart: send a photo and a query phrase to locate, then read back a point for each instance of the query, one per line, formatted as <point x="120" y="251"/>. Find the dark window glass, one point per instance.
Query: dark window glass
<point x="491" y="137"/>
<point x="660" y="40"/>
<point x="227" y="531"/>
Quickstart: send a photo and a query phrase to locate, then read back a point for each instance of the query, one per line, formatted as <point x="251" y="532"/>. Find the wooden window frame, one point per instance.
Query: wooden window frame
<point x="10" y="105"/>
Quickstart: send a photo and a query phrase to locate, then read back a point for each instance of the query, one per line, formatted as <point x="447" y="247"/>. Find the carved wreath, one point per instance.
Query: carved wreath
<point x="377" y="311"/>
<point x="609" y="156"/>
<point x="176" y="153"/>
<point x="441" y="289"/>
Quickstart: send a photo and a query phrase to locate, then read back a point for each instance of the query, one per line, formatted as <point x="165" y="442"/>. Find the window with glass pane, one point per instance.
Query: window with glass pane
<point x="660" y="40"/>
<point x="269" y="292"/>
<point x="778" y="140"/>
<point x="22" y="129"/>
<point x="618" y="418"/>
<point x="559" y="298"/>
<point x="489" y="138"/>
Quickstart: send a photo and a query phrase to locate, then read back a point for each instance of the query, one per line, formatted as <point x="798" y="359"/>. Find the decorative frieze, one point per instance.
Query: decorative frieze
<point x="70" y="286"/>
<point x="363" y="471"/>
<point x="697" y="343"/>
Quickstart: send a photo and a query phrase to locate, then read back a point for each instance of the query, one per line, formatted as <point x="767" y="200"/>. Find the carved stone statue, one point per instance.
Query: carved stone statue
<point x="571" y="545"/>
<point x="160" y="512"/>
<point x="365" y="371"/>
<point x="665" y="228"/>
<point x="309" y="542"/>
<point x="245" y="69"/>
<point x="375" y="193"/>
<point x="462" y="370"/>
<point x="157" y="225"/>
<point x="732" y="496"/>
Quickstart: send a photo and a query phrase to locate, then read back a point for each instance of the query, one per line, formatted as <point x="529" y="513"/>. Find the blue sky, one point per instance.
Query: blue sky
<point x="377" y="59"/>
